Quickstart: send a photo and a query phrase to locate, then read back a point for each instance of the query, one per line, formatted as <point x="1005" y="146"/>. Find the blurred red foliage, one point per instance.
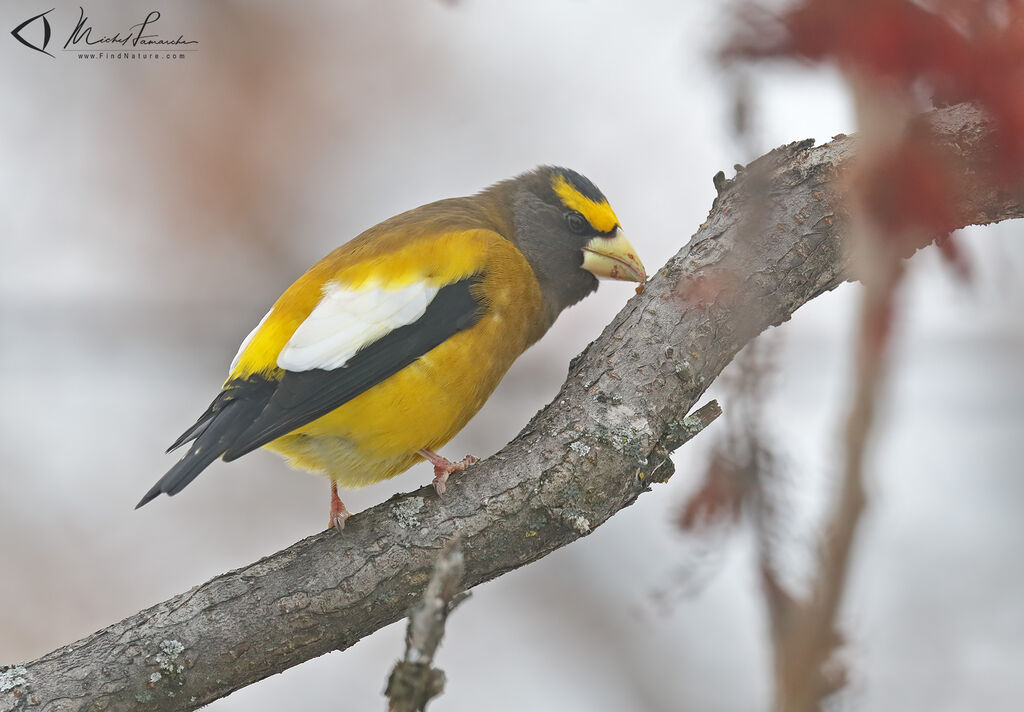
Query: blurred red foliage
<point x="712" y="286"/>
<point x="953" y="50"/>
<point x="911" y="189"/>
<point x="720" y="497"/>
<point x="902" y="192"/>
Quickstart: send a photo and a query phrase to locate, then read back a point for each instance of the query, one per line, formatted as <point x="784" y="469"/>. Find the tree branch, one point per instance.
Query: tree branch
<point x="415" y="681"/>
<point x="588" y="454"/>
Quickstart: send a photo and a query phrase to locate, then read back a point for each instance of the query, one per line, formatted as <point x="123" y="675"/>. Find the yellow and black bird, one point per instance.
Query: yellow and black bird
<point x="383" y="350"/>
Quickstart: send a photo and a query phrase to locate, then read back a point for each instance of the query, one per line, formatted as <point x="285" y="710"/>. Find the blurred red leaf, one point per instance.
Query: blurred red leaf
<point x="911" y="192"/>
<point x="954" y="256"/>
<point x="709" y="287"/>
<point x="720" y="497"/>
<point x="958" y="50"/>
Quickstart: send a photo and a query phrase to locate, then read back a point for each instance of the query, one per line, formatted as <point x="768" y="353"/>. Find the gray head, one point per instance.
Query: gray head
<point x="569" y="234"/>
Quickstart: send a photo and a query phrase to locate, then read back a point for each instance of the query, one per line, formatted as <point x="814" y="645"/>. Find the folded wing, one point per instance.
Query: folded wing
<point x="351" y="341"/>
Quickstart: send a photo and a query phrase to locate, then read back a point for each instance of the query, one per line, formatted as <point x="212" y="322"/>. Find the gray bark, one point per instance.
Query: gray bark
<point x="414" y="681"/>
<point x="772" y="241"/>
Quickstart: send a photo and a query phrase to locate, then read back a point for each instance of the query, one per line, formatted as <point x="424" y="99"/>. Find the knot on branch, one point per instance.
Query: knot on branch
<point x="412" y="685"/>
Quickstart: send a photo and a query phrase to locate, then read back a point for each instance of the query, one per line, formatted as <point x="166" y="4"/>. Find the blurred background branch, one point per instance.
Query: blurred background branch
<point x="905" y="189"/>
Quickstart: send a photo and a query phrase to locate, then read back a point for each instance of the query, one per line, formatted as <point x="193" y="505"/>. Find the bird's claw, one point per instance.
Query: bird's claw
<point x="338" y="520"/>
<point x="443" y="468"/>
<point x="338" y="511"/>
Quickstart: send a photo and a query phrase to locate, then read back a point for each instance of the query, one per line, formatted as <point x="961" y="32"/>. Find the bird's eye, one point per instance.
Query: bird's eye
<point x="577" y="223"/>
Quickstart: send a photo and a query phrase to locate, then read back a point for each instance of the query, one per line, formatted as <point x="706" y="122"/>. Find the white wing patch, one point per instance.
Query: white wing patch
<point x="246" y="341"/>
<point x="348" y="319"/>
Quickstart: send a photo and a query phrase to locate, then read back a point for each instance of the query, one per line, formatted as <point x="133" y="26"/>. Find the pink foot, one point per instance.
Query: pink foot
<point x="338" y="512"/>
<point x="444" y="467"/>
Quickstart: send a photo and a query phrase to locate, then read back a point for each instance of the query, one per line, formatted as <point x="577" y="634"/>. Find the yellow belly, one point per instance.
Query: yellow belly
<point x="376" y="435"/>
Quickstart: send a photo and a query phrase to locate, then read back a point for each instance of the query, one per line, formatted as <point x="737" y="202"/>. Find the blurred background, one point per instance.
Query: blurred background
<point x="151" y="211"/>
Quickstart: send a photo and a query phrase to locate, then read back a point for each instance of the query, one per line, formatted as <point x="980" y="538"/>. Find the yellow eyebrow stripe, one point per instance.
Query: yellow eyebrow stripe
<point x="599" y="215"/>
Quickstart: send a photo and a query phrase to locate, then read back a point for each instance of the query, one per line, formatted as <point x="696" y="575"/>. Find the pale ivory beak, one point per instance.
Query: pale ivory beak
<point x="614" y="258"/>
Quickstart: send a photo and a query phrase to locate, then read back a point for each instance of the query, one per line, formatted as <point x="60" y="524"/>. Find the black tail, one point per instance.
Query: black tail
<point x="234" y="410"/>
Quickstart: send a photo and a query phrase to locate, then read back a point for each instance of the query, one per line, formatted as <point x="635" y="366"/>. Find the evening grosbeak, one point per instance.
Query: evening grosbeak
<point x="383" y="350"/>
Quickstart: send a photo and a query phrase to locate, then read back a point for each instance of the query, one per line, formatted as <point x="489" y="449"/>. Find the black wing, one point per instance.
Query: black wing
<point x="251" y="412"/>
<point x="231" y="412"/>
<point x="304" y="396"/>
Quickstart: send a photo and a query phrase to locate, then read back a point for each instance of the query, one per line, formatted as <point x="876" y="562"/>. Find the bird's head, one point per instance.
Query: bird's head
<point x="569" y="234"/>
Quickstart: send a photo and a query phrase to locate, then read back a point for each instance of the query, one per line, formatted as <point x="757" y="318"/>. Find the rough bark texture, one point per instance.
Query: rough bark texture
<point x="414" y="680"/>
<point x="772" y="241"/>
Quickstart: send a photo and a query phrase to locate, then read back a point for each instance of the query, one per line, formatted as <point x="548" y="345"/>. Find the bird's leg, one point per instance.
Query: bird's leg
<point x="338" y="512"/>
<point x="444" y="467"/>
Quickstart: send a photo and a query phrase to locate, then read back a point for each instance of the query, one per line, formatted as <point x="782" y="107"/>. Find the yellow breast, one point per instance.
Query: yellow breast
<point x="376" y="435"/>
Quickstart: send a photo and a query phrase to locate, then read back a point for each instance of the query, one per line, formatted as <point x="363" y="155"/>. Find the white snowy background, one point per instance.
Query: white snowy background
<point x="150" y="211"/>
